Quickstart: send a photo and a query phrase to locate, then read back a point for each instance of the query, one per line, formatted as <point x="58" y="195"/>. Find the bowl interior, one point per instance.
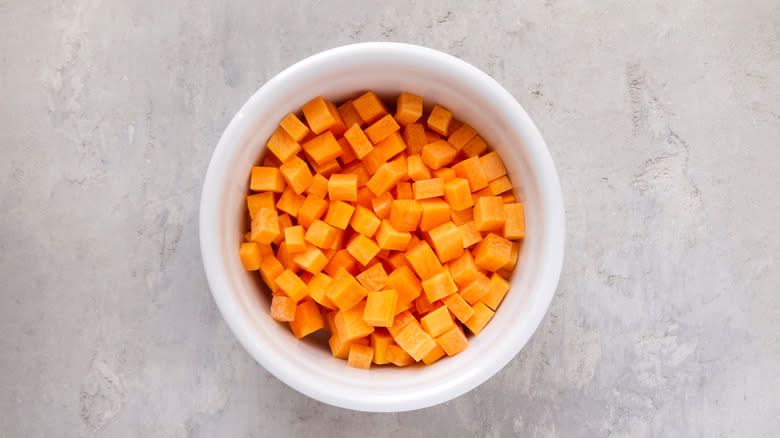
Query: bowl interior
<point x="387" y="70"/>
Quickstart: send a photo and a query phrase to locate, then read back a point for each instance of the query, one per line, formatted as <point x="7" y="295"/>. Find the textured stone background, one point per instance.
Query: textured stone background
<point x="663" y="119"/>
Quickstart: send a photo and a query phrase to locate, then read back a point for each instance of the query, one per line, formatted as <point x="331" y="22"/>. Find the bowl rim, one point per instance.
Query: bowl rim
<point x="550" y="194"/>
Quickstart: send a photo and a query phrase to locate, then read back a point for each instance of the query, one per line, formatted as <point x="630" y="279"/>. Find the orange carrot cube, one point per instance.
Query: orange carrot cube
<point x="431" y="136"/>
<point x="397" y="356"/>
<point x="428" y="188"/>
<point x="380" y="308"/>
<point x="363" y="249"/>
<point x="285" y="258"/>
<point x="474" y="291"/>
<point x="500" y="185"/>
<point x="359" y="170"/>
<point x="380" y="340"/>
<point x="387" y="176"/>
<point x="403" y="190"/>
<point x="285" y="221"/>
<point x="259" y="200"/>
<point x="294" y="127"/>
<point x="291" y="285"/>
<point x="482" y="315"/>
<point x="462" y="217"/>
<point x="447" y="241"/>
<point x="318" y="187"/>
<point x="469" y="234"/>
<point x="435" y="212"/>
<point x="293" y="237"/>
<point x="453" y="341"/>
<point x="439" y="120"/>
<point x="437" y="321"/>
<point x="406" y="284"/>
<point x="339" y="348"/>
<point x="338" y="127"/>
<point x="312" y="208"/>
<point x="290" y="202"/>
<point x="364" y="221"/>
<point x="283" y="308"/>
<point x="358" y="141"/>
<point x="434" y="355"/>
<point x="343" y="187"/>
<point x="347" y="153"/>
<point x="373" y="278"/>
<point x="481" y="194"/>
<point x="344" y="290"/>
<point x="424" y="261"/>
<point x="373" y="161"/>
<point x="389" y="238"/>
<point x="493" y="252"/>
<point x="311" y="260"/>
<point x="350" y="324"/>
<point x="321" y="234"/>
<point x="360" y="356"/>
<point x="397" y="259"/>
<point x="458" y="194"/>
<point x="320" y="116"/>
<point x="445" y="173"/>
<point x="439" y="286"/>
<point x="364" y="197"/>
<point x="405" y="214"/>
<point x="471" y="169"/>
<point x="350" y="115"/>
<point x="381" y="205"/>
<point x="459" y="307"/>
<point x="489" y="213"/>
<point x="497" y="289"/>
<point x="461" y="136"/>
<point x="408" y="108"/>
<point x="339" y="213"/>
<point x="327" y="169"/>
<point x="514" y="226"/>
<point x="369" y="107"/>
<point x="415" y="138"/>
<point x="266" y="179"/>
<point x="382" y="128"/>
<point x="417" y="170"/>
<point x="342" y="259"/>
<point x="415" y="341"/>
<point x="463" y="269"/>
<point x="391" y="146"/>
<point x="308" y="319"/>
<point x="475" y="147"/>
<point x="438" y="154"/>
<point x="282" y="145"/>
<point x="318" y="288"/>
<point x="508" y="197"/>
<point x="494" y="167"/>
<point x="270" y="269"/>
<point x="454" y="126"/>
<point x="250" y="256"/>
<point x="265" y="226"/>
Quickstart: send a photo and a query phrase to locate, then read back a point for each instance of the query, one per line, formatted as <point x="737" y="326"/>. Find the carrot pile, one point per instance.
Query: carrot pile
<point x="391" y="231"/>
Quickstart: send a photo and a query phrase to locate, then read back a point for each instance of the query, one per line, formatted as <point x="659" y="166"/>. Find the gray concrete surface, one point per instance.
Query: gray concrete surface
<point x="663" y="119"/>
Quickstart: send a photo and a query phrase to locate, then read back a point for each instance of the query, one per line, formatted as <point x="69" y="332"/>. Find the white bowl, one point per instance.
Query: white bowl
<point x="387" y="69"/>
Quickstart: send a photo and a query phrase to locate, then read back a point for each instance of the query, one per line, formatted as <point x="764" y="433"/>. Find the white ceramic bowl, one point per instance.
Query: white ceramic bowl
<point x="387" y="69"/>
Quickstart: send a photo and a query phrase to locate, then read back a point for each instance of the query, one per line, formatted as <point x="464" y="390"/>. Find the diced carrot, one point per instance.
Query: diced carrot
<point x="363" y="249"/>
<point x="453" y="127"/>
<point x="358" y="169"/>
<point x="381" y="205"/>
<point x="513" y="256"/>
<point x="292" y="285"/>
<point x="319" y="115"/>
<point x="463" y="269"/>
<point x="266" y="179"/>
<point x="391" y="146"/>
<point x="439" y="120"/>
<point x="514" y="226"/>
<point x="290" y="202"/>
<point x="424" y="261"/>
<point x="405" y="214"/>
<point x="270" y="160"/>
<point x="312" y="208"/>
<point x="342" y="259"/>
<point x="259" y="200"/>
<point x="439" y="286"/>
<point x="489" y="213"/>
<point x="482" y="315"/>
<point x="373" y="278"/>
<point x="369" y="107"/>
<point x="469" y="234"/>
<point x="493" y="252"/>
<point x="293" y="237"/>
<point x="294" y="127"/>
<point x="318" y="187"/>
<point x="471" y="169"/>
<point x="327" y="169"/>
<point x="434" y="355"/>
<point x="283" y="145"/>
<point x="382" y="128"/>
<point x="500" y="185"/>
<point x="283" y="308"/>
<point x="397" y="259"/>
<point x="360" y="356"/>
<point x="380" y="340"/>
<point x="311" y="260"/>
<point x="350" y="115"/>
<point x="459" y="307"/>
<point x="250" y="256"/>
<point x="403" y="190"/>
<point x="321" y="234"/>
<point x="285" y="221"/>
<point x="340" y="349"/>
<point x="462" y="217"/>
<point x="357" y="139"/>
<point x="343" y="187"/>
<point x="364" y="197"/>
<point x="415" y="138"/>
<point x="265" y="226"/>
<point x="431" y="137"/>
<point x="339" y="126"/>
<point x="397" y="356"/>
<point x="453" y="341"/>
<point x="417" y="170"/>
<point x="406" y="284"/>
<point x="428" y="188"/>
<point x="409" y="108"/>
<point x="347" y="153"/>
<point x="423" y="305"/>
<point x="415" y="341"/>
<point x="458" y="194"/>
<point x="435" y="212"/>
<point x="339" y="213"/>
<point x="322" y="148"/>
<point x="494" y="167"/>
<point x="318" y="288"/>
<point x="364" y="221"/>
<point x="438" y="154"/>
<point x="373" y="161"/>
<point x="461" y="136"/>
<point x="497" y="289"/>
<point x="270" y="269"/>
<point x="447" y="241"/>
<point x="344" y="290"/>
<point x="389" y="238"/>
<point x="474" y="291"/>
<point x="286" y="258"/>
<point x="380" y="308"/>
<point x="508" y="197"/>
<point x="445" y="173"/>
<point x="400" y="322"/>
<point x="350" y="324"/>
<point x="437" y="321"/>
<point x="475" y="147"/>
<point x="387" y="176"/>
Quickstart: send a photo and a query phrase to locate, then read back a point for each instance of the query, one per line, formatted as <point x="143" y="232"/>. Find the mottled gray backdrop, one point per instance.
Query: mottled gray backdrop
<point x="662" y="117"/>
